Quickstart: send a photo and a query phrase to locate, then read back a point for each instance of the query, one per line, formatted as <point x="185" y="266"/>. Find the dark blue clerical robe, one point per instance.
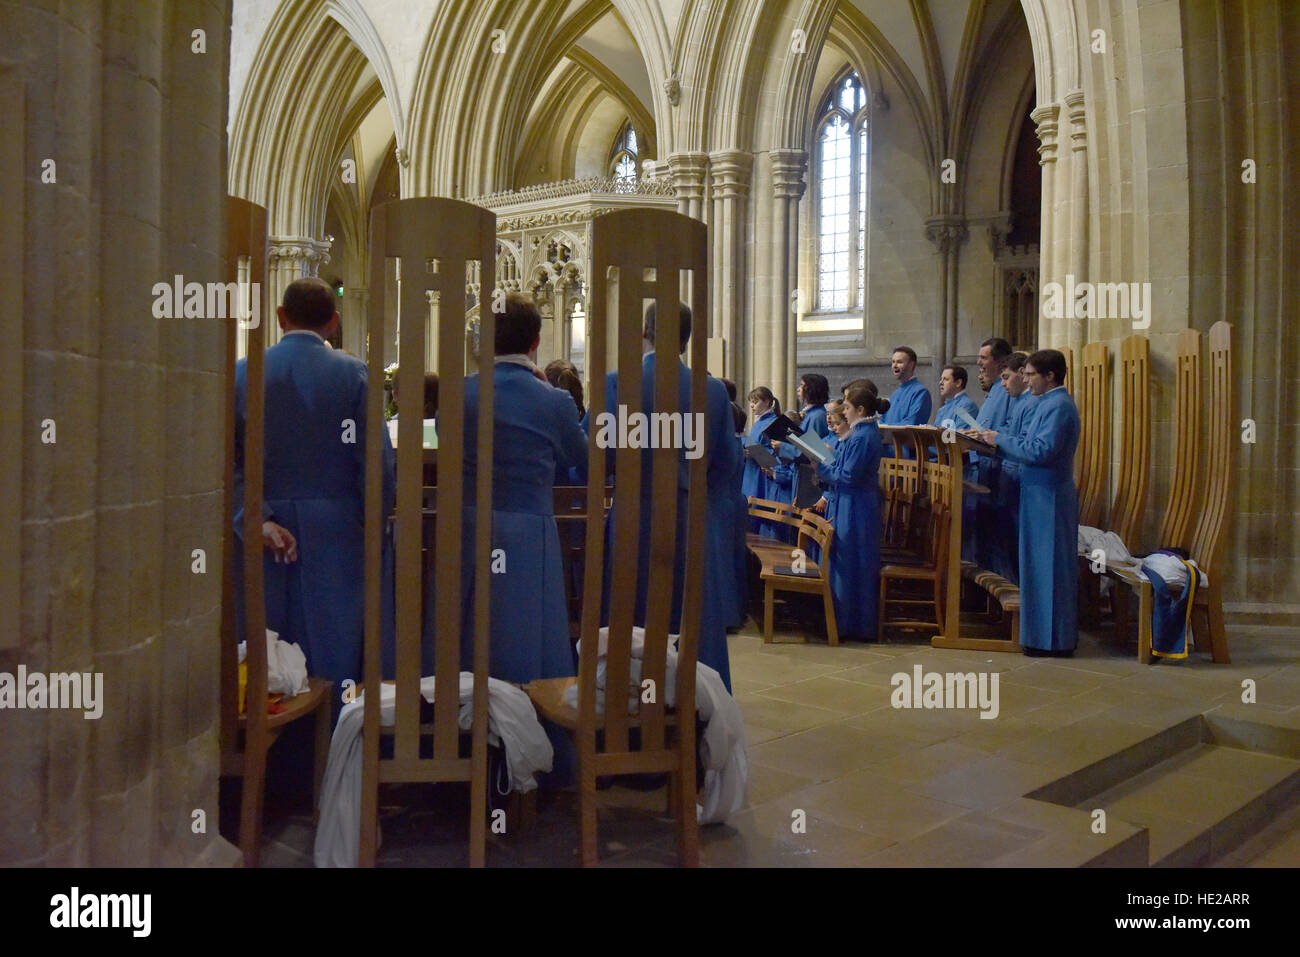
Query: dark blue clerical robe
<point x="1006" y="501"/>
<point x="314" y="485"/>
<point x="1049" y="522"/>
<point x="854" y="509"/>
<point x="814" y="421"/>
<point x="721" y="586"/>
<point x="535" y="430"/>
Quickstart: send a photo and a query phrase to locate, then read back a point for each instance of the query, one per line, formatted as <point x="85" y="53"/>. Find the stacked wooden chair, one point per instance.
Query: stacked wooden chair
<point x="1200" y="490"/>
<point x="247" y="737"/>
<point x="640" y="254"/>
<point x="436" y="239"/>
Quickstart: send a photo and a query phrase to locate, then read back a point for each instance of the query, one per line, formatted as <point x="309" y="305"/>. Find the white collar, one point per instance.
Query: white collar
<point x="517" y="358"/>
<point x="1050" y="391"/>
<point x="301" y="332"/>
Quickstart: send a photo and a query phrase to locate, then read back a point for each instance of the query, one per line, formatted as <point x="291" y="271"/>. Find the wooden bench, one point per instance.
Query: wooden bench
<point x="1007" y="595"/>
<point x="811" y="529"/>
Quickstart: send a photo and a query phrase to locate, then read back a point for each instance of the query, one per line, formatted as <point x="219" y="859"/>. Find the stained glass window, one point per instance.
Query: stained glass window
<point x="623" y="159"/>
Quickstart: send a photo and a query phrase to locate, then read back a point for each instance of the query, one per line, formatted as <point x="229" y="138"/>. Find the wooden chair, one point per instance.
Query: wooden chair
<point x="813" y="530"/>
<point x="1194" y="521"/>
<point x="437" y="240"/>
<point x="1093" y="396"/>
<point x="247" y="737"/>
<point x="570" y="505"/>
<point x="931" y="570"/>
<point x="640" y="254"/>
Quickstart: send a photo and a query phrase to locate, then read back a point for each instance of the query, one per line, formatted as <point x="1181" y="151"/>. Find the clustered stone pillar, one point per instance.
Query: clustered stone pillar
<point x="787" y="188"/>
<point x="1045" y="118"/>
<point x="122" y="518"/>
<point x="731" y="172"/>
<point x="1078" y="332"/>
<point x="290" y="258"/>
<point x="947" y="233"/>
<point x="688" y="182"/>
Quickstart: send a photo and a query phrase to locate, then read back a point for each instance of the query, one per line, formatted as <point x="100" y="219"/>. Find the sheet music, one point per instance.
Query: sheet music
<point x="812" y="445"/>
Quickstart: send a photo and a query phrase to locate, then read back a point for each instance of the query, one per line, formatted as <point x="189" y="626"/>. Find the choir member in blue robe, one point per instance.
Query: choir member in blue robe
<point x="854" y="510"/>
<point x="764" y="408"/>
<point x="910" y="403"/>
<point x="1049" y="510"/>
<point x="839" y="430"/>
<point x="979" y="543"/>
<point x="720" y="584"/>
<point x="314" y="486"/>
<point x="740" y="521"/>
<point x="563" y="374"/>
<point x="1006" y="499"/>
<point x="952" y="390"/>
<point x="535" y="431"/>
<point x="813" y="393"/>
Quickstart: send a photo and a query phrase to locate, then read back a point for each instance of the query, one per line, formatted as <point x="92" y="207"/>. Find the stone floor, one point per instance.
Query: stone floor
<point x="839" y="777"/>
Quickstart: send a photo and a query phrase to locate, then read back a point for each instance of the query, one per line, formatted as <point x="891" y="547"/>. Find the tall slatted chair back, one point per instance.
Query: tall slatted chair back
<point x="1222" y="440"/>
<point x="242" y="562"/>
<point x="1093" y="396"/>
<point x="442" y="246"/>
<point x="641" y="254"/>
<point x="1184" y="487"/>
<point x="1135" y="439"/>
<point x="1071" y="383"/>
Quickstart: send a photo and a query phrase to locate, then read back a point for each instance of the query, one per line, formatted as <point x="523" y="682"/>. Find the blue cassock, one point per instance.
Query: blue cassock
<point x="1007" y="500"/>
<point x="854" y="510"/>
<point x="909" y="405"/>
<point x="814" y="420"/>
<point x="754" y="483"/>
<point x="980" y="543"/>
<point x="740" y="526"/>
<point x="721" y="587"/>
<point x="315" y="487"/>
<point x="535" y="430"/>
<point x="948" y="411"/>
<point x="1049" y="522"/>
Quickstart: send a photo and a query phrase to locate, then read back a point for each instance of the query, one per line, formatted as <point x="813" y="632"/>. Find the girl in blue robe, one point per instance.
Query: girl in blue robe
<point x="854" y="510"/>
<point x="1049" y="509"/>
<point x="838" y="430"/>
<point x="764" y="407"/>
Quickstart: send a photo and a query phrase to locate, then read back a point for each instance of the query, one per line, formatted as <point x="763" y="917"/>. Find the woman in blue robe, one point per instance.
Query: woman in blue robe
<point x="764" y="407"/>
<point x="854" y="510"/>
<point x="1049" y="510"/>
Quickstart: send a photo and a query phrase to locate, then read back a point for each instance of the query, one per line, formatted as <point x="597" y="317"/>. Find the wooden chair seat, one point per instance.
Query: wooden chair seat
<point x="812" y="530"/>
<point x="318" y="690"/>
<point x="547" y="695"/>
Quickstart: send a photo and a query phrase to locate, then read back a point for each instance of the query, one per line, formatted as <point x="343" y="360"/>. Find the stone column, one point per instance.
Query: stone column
<point x="787" y="188"/>
<point x="1050" y="331"/>
<point x="290" y="258"/>
<point x="947" y="233"/>
<point x="731" y="173"/>
<point x="1077" y="329"/>
<point x="687" y="171"/>
<point x="122" y="445"/>
<point x="354" y="335"/>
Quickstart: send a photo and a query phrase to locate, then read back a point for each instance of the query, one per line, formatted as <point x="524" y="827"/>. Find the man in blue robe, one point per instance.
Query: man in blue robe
<point x="720" y="584"/>
<point x="1049" y="510"/>
<point x="1007" y="497"/>
<point x="910" y="402"/>
<point x="314" y="491"/>
<point x="536" y="431"/>
<point x="979" y="542"/>
<point x="952" y="390"/>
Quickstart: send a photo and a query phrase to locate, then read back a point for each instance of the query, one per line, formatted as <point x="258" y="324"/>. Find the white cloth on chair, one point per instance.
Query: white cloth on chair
<point x="512" y="723"/>
<point x="722" y="747"/>
<point x="1111" y="545"/>
<point x="286" y="665"/>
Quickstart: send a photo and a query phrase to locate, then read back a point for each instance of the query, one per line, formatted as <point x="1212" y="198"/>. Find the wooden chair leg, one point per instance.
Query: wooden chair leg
<point x="250" y="805"/>
<point x="767" y="612"/>
<point x="324" y="729"/>
<point x="1145" y="602"/>
<point x="1119" y="603"/>
<point x="688" y="826"/>
<point x="1218" y="632"/>
<point x="832" y="627"/>
<point x="880" y="608"/>
<point x="587" y="816"/>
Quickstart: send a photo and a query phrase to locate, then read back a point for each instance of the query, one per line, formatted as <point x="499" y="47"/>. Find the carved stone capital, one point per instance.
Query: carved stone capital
<point x="946" y="232"/>
<point x="788" y="167"/>
<point x="687" y="171"/>
<point x="311" y="253"/>
<point x="1078" y="113"/>
<point x="731" y="172"/>
<point x="1045" y="119"/>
